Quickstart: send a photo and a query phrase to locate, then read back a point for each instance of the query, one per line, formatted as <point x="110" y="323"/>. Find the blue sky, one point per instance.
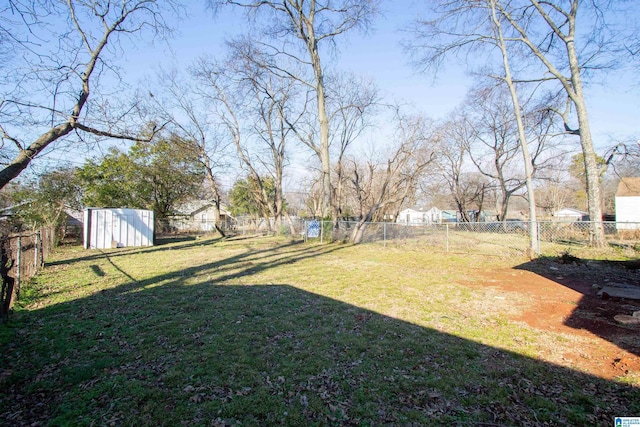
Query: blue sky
<point x="614" y="105"/>
<point x="377" y="55"/>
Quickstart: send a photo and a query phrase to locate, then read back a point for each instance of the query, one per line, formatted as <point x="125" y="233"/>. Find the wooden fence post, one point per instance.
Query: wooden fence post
<point x="6" y="290"/>
<point x="43" y="243"/>
<point x="35" y="249"/>
<point x="19" y="267"/>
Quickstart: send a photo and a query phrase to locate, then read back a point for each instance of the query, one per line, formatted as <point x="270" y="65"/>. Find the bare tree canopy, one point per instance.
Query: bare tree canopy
<point x="54" y="83"/>
<point x="556" y="43"/>
<point x="494" y="145"/>
<point x="379" y="184"/>
<point x="186" y="107"/>
<point x="301" y="31"/>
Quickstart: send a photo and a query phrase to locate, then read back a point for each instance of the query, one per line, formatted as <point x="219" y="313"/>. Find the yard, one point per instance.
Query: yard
<point x="264" y="331"/>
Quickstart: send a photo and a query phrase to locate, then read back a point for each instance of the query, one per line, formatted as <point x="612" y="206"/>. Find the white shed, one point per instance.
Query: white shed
<point x="117" y="228"/>
<point x="628" y="204"/>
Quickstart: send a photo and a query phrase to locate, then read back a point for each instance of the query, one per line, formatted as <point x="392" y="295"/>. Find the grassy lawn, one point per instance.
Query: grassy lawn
<point x="262" y="331"/>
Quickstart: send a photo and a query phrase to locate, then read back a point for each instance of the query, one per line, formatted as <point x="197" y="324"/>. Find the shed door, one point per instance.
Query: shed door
<point x="125" y="230"/>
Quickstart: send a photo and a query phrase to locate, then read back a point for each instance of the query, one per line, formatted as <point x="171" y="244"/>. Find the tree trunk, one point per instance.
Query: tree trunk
<point x="528" y="166"/>
<point x="216" y="217"/>
<point x="8" y="282"/>
<point x="216" y="195"/>
<point x="358" y="232"/>
<point x="590" y="164"/>
<point x="337" y="197"/>
<point x="325" y="160"/>
<point x="292" y="227"/>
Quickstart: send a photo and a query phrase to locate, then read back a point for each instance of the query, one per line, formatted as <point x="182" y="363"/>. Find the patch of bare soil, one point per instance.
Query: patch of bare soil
<point x="561" y="297"/>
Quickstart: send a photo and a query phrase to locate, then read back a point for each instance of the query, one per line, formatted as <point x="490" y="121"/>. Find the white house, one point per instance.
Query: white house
<point x="628" y="204"/>
<point x="412" y="217"/>
<point x="433" y="216"/>
<point x="570" y="214"/>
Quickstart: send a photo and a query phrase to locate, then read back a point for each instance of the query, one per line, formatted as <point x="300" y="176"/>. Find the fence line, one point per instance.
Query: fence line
<point x="237" y="226"/>
<point x="504" y="239"/>
<point x="21" y="256"/>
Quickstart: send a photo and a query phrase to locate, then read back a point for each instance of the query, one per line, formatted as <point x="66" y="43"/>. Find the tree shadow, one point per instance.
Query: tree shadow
<point x="182" y="349"/>
<point x="593" y="313"/>
<point x="162" y="245"/>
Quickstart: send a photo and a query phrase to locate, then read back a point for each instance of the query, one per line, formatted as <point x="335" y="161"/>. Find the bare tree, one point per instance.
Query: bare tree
<point x="550" y="32"/>
<point x="352" y="103"/>
<point x="452" y="164"/>
<point x="299" y="29"/>
<point x="47" y="93"/>
<point x="186" y="109"/>
<point x="495" y="146"/>
<point x="259" y="110"/>
<point x="624" y="158"/>
<point x="379" y="185"/>
<point x="274" y="119"/>
<point x="552" y="50"/>
<point x="507" y="79"/>
<point x="466" y="25"/>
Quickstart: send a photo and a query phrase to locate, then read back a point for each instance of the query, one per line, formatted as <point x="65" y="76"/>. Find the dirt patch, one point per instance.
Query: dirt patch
<point x="562" y="298"/>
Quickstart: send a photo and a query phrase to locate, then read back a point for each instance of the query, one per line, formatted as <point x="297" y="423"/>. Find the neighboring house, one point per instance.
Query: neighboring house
<point x="449" y="216"/>
<point x="75" y="218"/>
<point x="570" y="214"/>
<point x="433" y="216"/>
<point x="420" y="217"/>
<point x="199" y="215"/>
<point x="628" y="204"/>
<point x="488" y="216"/>
<point x="412" y="217"/>
<point x="73" y="225"/>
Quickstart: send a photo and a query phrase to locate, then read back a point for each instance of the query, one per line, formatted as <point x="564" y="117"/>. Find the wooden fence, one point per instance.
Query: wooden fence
<point x="21" y="256"/>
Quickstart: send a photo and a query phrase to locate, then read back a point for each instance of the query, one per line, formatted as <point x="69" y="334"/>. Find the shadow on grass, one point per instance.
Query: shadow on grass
<point x="162" y="244"/>
<point x="181" y="349"/>
<point x="593" y="313"/>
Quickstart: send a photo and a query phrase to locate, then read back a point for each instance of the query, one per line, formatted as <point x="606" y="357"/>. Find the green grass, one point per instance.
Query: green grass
<point x="271" y="332"/>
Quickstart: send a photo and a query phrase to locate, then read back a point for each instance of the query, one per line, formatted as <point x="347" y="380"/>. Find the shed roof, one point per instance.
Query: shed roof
<point x="628" y="187"/>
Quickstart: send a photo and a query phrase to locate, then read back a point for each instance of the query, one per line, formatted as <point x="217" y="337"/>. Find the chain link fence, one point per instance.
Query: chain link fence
<point x="291" y="227"/>
<point x="503" y="239"/>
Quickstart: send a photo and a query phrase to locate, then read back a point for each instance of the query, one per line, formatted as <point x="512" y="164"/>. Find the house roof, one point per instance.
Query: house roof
<point x="407" y="210"/>
<point x="628" y="187"/>
<point x="569" y="211"/>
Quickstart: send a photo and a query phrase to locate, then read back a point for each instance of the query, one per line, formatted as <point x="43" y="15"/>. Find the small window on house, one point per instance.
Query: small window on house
<point x="203" y="218"/>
